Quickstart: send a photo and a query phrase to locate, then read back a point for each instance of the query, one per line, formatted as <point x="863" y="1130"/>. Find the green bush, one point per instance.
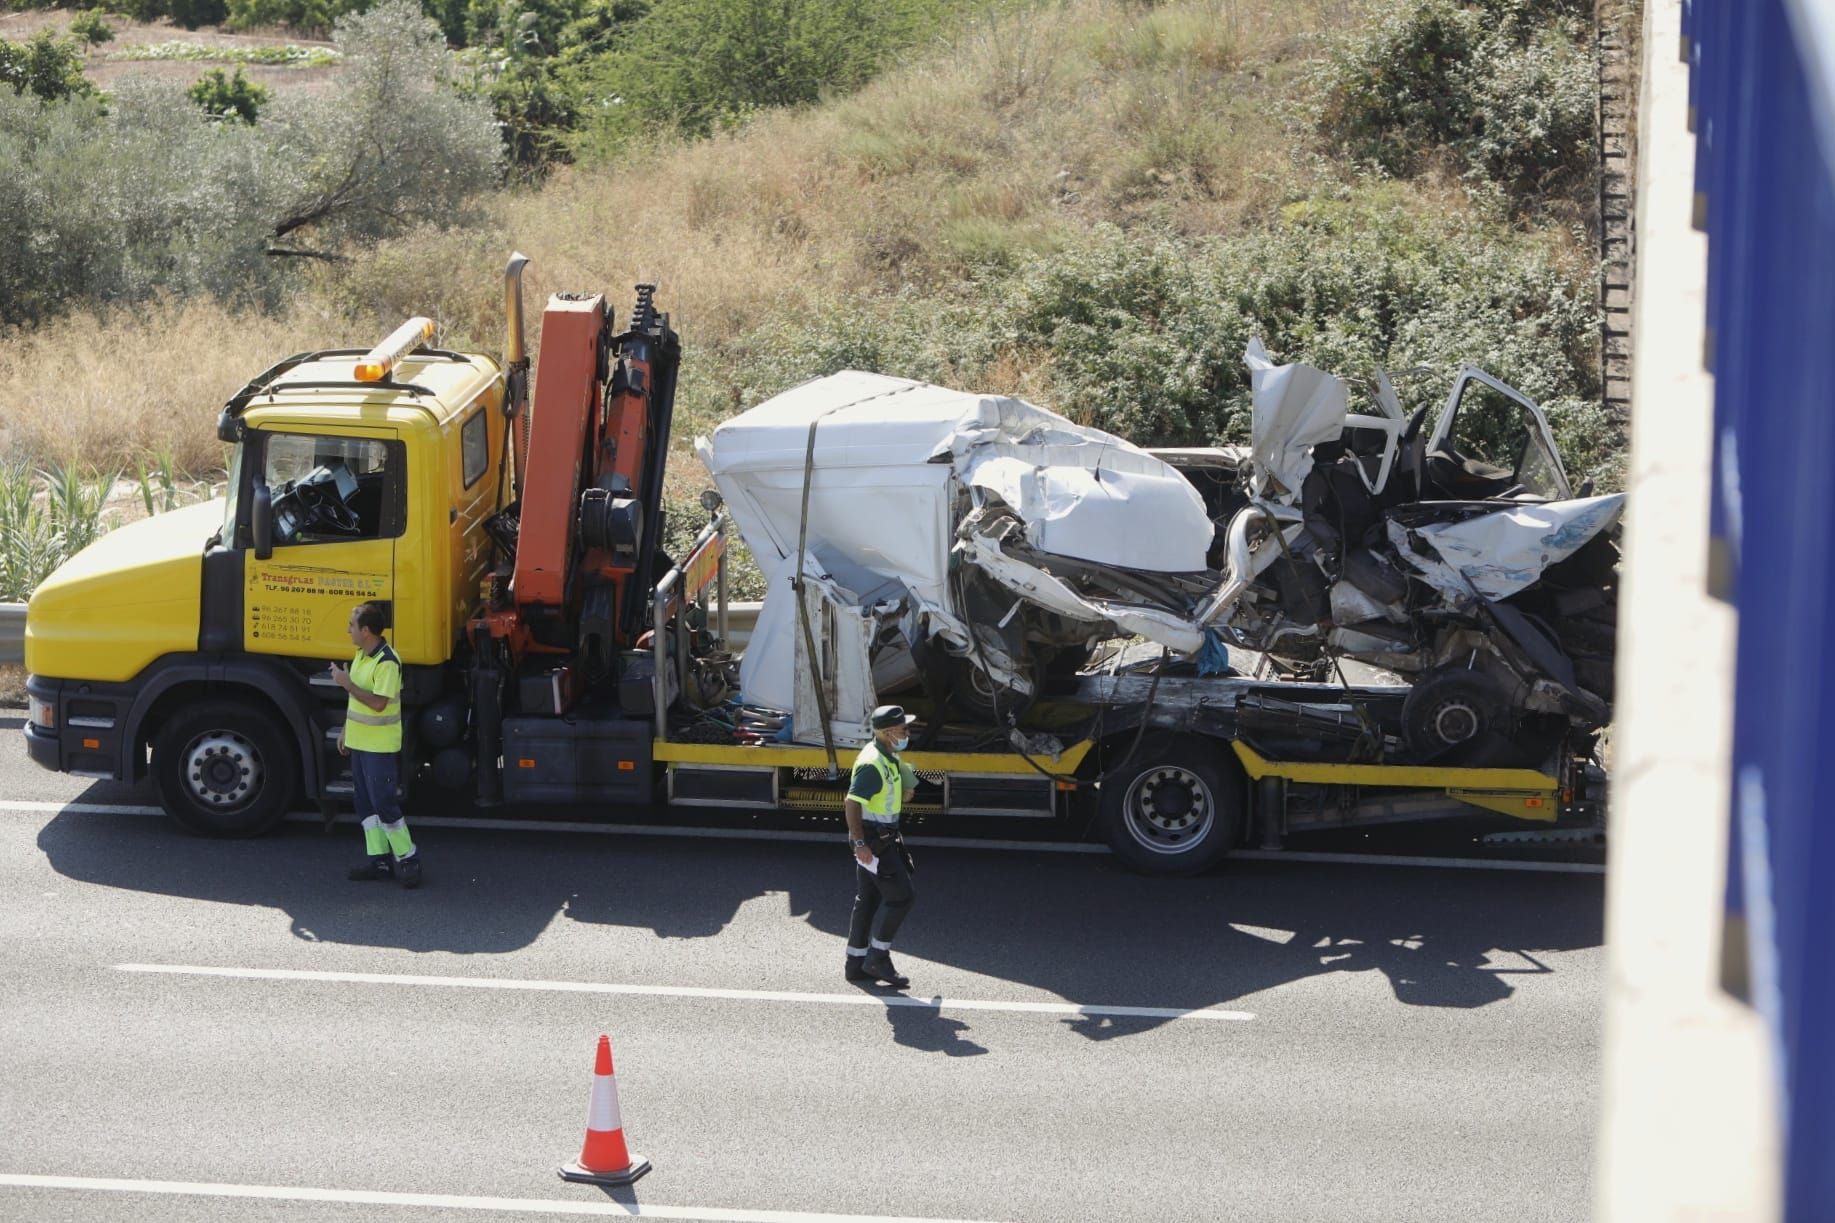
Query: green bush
<point x="89" y="27"/>
<point x="1507" y="86"/>
<point x="226" y="98"/>
<point x="528" y="63"/>
<point x="1145" y="337"/>
<point x="693" y="65"/>
<point x="1143" y="334"/>
<point x="47" y="67"/>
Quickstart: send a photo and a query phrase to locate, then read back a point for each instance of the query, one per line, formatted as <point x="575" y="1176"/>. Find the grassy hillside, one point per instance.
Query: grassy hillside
<point x="1090" y="203"/>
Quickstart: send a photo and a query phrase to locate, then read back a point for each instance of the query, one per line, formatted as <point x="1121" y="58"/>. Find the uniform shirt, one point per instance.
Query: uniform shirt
<point x="867" y="781"/>
<point x="371" y="730"/>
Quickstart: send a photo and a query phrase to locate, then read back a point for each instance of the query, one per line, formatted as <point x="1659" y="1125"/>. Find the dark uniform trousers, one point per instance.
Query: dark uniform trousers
<point x="881" y="899"/>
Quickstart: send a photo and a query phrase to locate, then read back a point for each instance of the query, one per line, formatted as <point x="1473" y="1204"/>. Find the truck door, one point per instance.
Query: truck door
<point x="339" y="503"/>
<point x="1492" y="441"/>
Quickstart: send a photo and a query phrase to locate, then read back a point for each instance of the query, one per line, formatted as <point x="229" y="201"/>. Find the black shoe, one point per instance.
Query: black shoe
<point x="410" y="869"/>
<point x="878" y="965"/>
<point x="375" y="868"/>
<point x="854" y="970"/>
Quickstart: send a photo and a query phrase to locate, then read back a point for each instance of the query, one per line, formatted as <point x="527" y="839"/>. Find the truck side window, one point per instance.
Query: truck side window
<point x="474" y="447"/>
<point x="334" y="489"/>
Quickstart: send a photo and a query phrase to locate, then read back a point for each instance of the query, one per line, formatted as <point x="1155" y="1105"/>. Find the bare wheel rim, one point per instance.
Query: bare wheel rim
<point x="222" y="771"/>
<point x="1455" y="721"/>
<point x="1168" y="809"/>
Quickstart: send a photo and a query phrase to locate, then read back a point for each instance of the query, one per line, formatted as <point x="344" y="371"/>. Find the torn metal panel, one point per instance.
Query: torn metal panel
<point x="1503" y="553"/>
<point x="1174" y="632"/>
<point x="1295" y="407"/>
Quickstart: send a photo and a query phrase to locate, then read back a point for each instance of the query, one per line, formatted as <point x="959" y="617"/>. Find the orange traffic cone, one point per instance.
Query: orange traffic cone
<point x="605" y="1160"/>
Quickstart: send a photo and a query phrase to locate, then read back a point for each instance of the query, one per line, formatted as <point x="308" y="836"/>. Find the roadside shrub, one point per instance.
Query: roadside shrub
<point x="1506" y="86"/>
<point x="46" y="517"/>
<point x="1145" y="337"/>
<point x="228" y="98"/>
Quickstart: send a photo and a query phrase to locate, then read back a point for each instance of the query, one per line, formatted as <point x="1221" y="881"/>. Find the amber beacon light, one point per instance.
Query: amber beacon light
<point x="378" y="361"/>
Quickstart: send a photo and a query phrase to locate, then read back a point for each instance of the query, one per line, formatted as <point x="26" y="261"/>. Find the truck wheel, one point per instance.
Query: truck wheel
<point x="1178" y="807"/>
<point x="225" y="769"/>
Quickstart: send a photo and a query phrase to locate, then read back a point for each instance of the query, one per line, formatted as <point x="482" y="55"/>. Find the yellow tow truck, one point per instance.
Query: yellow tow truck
<point x="554" y="654"/>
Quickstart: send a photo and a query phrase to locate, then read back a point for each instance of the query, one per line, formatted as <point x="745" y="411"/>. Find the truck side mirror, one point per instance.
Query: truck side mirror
<point x="261" y="521"/>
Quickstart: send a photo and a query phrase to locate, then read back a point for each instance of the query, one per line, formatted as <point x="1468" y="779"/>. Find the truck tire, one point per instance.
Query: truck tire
<point x="225" y="768"/>
<point x="1178" y="807"/>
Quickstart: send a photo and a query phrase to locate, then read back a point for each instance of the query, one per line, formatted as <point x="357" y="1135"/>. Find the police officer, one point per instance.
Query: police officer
<point x="882" y="888"/>
<point x="371" y="737"/>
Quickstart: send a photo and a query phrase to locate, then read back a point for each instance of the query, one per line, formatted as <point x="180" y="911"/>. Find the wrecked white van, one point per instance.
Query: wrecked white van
<point x="980" y="547"/>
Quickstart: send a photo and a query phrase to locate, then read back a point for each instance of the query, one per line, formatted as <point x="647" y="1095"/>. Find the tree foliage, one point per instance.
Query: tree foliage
<point x="149" y="195"/>
<point x="47" y="67"/>
<point x="693" y="65"/>
<point x="393" y="145"/>
<point x="227" y="98"/>
<point x="91" y="28"/>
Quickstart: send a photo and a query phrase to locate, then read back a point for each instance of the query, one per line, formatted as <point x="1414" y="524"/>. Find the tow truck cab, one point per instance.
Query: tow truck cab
<point x="203" y="633"/>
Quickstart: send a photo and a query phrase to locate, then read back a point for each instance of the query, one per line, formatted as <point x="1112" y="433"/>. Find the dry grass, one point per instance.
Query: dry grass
<point x="1023" y="132"/>
<point x="109" y="389"/>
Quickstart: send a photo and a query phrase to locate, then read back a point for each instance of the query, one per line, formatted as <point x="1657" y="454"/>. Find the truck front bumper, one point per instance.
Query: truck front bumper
<point x="86" y="740"/>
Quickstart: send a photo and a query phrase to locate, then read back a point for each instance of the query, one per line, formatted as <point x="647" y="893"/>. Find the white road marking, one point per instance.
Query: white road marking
<point x="827" y="836"/>
<point x="934" y="1003"/>
<point x="446" y="1201"/>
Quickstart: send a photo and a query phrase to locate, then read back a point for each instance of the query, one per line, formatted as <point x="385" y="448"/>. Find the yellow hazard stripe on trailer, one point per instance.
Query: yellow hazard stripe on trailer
<point x="1528" y="794"/>
<point x="763" y="755"/>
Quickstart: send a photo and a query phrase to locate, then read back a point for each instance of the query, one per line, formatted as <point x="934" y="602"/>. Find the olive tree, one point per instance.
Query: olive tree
<point x="116" y="200"/>
<point x="393" y="145"/>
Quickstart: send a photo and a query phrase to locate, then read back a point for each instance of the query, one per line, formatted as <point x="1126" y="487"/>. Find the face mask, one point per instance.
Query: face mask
<point x="898" y="745"/>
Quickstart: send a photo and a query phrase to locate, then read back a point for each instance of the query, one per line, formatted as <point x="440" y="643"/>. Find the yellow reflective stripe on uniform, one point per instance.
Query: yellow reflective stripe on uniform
<point x="366" y="729"/>
<point x="887" y="803"/>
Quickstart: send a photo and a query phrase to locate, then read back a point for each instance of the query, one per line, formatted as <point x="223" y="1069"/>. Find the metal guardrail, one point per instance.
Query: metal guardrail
<point x="12" y="632"/>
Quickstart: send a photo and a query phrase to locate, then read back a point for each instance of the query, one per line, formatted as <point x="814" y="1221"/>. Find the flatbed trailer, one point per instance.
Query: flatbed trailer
<point x="1177" y="770"/>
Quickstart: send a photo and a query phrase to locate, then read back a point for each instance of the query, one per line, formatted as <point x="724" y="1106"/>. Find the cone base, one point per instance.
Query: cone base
<point x="575" y="1172"/>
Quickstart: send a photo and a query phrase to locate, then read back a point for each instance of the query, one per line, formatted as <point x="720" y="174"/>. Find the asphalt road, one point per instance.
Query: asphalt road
<point x="1313" y="1041"/>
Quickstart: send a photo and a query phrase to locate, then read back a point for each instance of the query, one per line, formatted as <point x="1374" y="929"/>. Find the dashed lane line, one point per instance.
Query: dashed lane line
<point x="24" y="807"/>
<point x="934" y="1003"/>
<point x="444" y="1201"/>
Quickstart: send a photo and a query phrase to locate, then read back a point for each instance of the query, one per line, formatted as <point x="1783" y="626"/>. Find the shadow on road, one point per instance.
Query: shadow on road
<point x="1078" y="926"/>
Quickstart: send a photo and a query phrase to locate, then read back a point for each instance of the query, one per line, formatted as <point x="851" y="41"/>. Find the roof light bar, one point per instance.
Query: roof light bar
<point x="378" y="361"/>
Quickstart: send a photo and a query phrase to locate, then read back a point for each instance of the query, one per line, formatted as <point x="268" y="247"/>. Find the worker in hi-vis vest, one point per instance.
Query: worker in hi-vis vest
<point x="882" y="868"/>
<point x="371" y="737"/>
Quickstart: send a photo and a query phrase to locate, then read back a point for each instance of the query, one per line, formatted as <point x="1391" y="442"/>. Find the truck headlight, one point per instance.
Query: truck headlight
<point x="41" y="713"/>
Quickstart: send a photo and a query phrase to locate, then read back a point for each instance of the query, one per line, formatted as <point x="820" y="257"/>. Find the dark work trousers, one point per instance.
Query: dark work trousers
<point x="880" y="900"/>
<point x="374" y="776"/>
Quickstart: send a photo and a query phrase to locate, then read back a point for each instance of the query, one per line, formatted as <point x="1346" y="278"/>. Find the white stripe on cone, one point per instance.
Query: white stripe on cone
<point x="604" y="1114"/>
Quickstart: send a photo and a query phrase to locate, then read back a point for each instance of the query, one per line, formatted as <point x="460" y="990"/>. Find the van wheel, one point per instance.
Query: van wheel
<point x="225" y="769"/>
<point x="1177" y="809"/>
